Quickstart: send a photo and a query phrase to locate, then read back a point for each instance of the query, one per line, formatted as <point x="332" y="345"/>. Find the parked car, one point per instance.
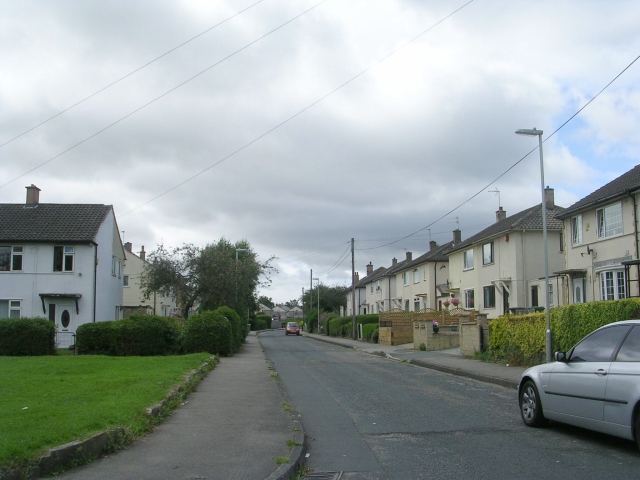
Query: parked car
<point x="292" y="328"/>
<point x="596" y="385"/>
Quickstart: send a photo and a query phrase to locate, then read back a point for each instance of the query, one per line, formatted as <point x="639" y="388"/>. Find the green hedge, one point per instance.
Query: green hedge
<point x="238" y="326"/>
<point x="261" y="322"/>
<point x="521" y="339"/>
<point x="138" y="335"/>
<point x="341" y="326"/>
<point x="208" y="332"/>
<point x="368" y="330"/>
<point x="27" y="336"/>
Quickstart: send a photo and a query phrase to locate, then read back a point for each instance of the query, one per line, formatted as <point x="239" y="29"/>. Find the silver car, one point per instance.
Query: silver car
<point x="596" y="385"/>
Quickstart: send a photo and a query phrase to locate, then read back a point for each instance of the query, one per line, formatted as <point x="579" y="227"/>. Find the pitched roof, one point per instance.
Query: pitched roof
<point x="620" y="186"/>
<point x="375" y="275"/>
<point x="51" y="222"/>
<point x="438" y="254"/>
<point x="529" y="219"/>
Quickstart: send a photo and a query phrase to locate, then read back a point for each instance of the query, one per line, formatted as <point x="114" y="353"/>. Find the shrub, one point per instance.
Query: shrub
<point x="237" y="325"/>
<point x="521" y="340"/>
<point x="342" y="326"/>
<point x="261" y="322"/>
<point x="367" y="331"/>
<point x="27" y="336"/>
<point x="138" y="335"/>
<point x="208" y="332"/>
<point x="374" y="336"/>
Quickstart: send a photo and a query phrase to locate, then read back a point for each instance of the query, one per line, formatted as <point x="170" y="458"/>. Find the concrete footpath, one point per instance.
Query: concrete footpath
<point x="448" y="361"/>
<point x="233" y="426"/>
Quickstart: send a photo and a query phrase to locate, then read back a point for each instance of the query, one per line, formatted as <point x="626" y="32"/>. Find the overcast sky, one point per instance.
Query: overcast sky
<point x="391" y="152"/>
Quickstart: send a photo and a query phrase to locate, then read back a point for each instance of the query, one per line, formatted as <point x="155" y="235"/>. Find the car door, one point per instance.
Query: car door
<point x="577" y="387"/>
<point x="623" y="384"/>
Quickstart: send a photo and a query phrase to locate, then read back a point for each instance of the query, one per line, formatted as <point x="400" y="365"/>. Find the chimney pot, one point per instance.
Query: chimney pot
<point x="432" y="245"/>
<point x="128" y="246"/>
<point x="370" y="268"/>
<point x="394" y="262"/>
<point x="409" y="256"/>
<point x="33" y="195"/>
<point x="457" y="236"/>
<point x="500" y="214"/>
<point x="549" y="200"/>
<point x="143" y="254"/>
<point x="357" y="277"/>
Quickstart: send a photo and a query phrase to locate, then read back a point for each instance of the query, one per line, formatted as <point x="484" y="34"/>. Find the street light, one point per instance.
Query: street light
<point x="318" y="280"/>
<point x="538" y="133"/>
<point x="238" y="250"/>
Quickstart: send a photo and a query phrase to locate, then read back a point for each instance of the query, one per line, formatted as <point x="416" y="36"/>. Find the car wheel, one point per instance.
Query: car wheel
<point x="637" y="430"/>
<point x="530" y="406"/>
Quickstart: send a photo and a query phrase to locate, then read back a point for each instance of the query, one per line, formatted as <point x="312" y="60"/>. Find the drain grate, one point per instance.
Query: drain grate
<point x="323" y="476"/>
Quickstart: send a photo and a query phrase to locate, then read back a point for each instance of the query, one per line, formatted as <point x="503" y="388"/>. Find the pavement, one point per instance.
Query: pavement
<point x="238" y="421"/>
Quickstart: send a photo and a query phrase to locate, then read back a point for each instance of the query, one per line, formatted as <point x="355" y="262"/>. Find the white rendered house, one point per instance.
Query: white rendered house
<point x="60" y="261"/>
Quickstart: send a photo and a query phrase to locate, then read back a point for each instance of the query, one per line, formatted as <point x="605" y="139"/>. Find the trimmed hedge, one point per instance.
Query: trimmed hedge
<point x="208" y="332"/>
<point x="367" y="332"/>
<point x="261" y="322"/>
<point x="341" y="326"/>
<point x="521" y="339"/>
<point x="27" y="337"/>
<point x="138" y="335"/>
<point x="237" y="325"/>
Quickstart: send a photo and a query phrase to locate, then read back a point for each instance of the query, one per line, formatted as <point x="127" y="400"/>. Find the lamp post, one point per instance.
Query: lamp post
<point x="318" y="280"/>
<point x="238" y="250"/>
<point x="538" y="133"/>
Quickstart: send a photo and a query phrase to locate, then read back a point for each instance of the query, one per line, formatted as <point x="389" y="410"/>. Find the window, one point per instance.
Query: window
<point x="11" y="259"/>
<point x="630" y="350"/>
<point x="425" y="274"/>
<point x="613" y="285"/>
<point x="416" y="304"/>
<point x="119" y="268"/>
<point x="576" y="230"/>
<point x="561" y="242"/>
<point x="534" y="295"/>
<point x="551" y="295"/>
<point x="377" y="284"/>
<point x="371" y="288"/>
<point x="63" y="259"/>
<point x="468" y="259"/>
<point x="406" y="305"/>
<point x="405" y="277"/>
<point x="609" y="220"/>
<point x="10" y="308"/>
<point x="468" y="299"/>
<point x="125" y="283"/>
<point x="113" y="266"/>
<point x="599" y="346"/>
<point x="490" y="296"/>
<point x="487" y="253"/>
<point x="416" y="276"/>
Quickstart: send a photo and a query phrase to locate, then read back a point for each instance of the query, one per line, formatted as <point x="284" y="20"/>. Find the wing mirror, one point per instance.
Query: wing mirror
<point x="561" y="357"/>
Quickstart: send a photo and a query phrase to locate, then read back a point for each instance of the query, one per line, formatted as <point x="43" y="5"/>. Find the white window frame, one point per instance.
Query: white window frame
<point x="613" y="285"/>
<point x="125" y="283"/>
<point x="469" y="295"/>
<point x="406" y="305"/>
<point x="67" y="252"/>
<point x="14" y="251"/>
<point x="371" y="287"/>
<point x="576" y="230"/>
<point x="551" y="303"/>
<point x="609" y="220"/>
<point x="468" y="259"/>
<point x="416" y="304"/>
<point x="113" y="266"/>
<point x="405" y="278"/>
<point x="484" y="296"/>
<point x="416" y="276"/>
<point x="484" y="254"/>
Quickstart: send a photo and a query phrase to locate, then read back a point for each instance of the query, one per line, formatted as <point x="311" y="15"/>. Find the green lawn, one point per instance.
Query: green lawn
<point x="49" y="401"/>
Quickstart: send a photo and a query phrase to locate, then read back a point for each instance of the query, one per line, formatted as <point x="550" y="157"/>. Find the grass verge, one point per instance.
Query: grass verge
<point x="52" y="400"/>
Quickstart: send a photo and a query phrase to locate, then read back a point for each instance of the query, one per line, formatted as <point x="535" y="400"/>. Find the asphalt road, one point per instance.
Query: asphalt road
<point x="374" y="418"/>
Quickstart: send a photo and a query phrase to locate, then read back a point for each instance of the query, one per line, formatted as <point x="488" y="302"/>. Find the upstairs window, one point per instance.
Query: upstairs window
<point x="405" y="277"/>
<point x="576" y="230"/>
<point x="487" y="253"/>
<point x="416" y="276"/>
<point x="468" y="259"/>
<point x="11" y="259"/>
<point x="609" y="220"/>
<point x="125" y="283"/>
<point x="63" y="259"/>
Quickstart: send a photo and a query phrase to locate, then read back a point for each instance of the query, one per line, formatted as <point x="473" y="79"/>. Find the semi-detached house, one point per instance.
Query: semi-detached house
<point x="63" y="262"/>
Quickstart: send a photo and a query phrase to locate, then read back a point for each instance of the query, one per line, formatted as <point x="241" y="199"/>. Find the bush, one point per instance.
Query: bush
<point x="138" y="335"/>
<point x="261" y="322"/>
<point x="342" y="326"/>
<point x="27" y="336"/>
<point x="521" y="340"/>
<point x="238" y="326"/>
<point x="208" y="332"/>
<point x="367" y="331"/>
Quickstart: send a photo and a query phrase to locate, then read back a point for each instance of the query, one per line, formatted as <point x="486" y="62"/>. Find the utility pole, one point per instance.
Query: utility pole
<point x="353" y="292"/>
<point x="311" y="292"/>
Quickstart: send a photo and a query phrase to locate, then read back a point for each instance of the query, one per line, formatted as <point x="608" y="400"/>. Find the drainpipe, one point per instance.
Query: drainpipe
<point x="95" y="278"/>
<point x="635" y="232"/>
<point x="435" y="283"/>
<point x="389" y="294"/>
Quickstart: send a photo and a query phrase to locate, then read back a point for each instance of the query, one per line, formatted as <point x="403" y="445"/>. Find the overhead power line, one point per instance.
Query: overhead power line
<point x="512" y="166"/>
<point x="129" y="74"/>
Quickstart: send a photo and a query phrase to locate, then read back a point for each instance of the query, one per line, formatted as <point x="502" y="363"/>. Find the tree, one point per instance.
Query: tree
<point x="266" y="301"/>
<point x="208" y="276"/>
<point x="331" y="298"/>
<point x="292" y="303"/>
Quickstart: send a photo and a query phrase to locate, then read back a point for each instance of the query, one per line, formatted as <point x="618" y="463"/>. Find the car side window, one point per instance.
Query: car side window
<point x="630" y="350"/>
<point x="600" y="345"/>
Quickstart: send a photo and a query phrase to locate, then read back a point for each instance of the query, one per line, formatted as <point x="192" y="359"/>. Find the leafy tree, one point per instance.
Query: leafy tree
<point x="292" y="303"/>
<point x="266" y="301"/>
<point x="332" y="297"/>
<point x="209" y="276"/>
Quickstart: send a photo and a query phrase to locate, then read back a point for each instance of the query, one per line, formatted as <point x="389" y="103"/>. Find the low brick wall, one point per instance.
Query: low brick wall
<point x="474" y="336"/>
<point x="447" y="336"/>
<point x="396" y="335"/>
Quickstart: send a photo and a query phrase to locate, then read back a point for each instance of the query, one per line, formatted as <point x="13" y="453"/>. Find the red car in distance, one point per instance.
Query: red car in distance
<point x="292" y="328"/>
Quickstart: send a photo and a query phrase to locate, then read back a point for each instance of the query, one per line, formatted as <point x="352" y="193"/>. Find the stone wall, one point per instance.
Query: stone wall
<point x="447" y="336"/>
<point x="474" y="336"/>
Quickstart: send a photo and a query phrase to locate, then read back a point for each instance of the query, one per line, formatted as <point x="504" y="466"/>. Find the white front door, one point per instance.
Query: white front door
<point x="578" y="290"/>
<point x="65" y="315"/>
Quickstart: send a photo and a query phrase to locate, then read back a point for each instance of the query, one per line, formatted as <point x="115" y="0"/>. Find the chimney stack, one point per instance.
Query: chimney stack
<point x="432" y="245"/>
<point x="409" y="255"/>
<point x="33" y="195"/>
<point x="370" y="268"/>
<point x="549" y="200"/>
<point x="394" y="262"/>
<point x="128" y="246"/>
<point x="457" y="236"/>
<point x="143" y="254"/>
<point x="356" y="275"/>
<point x="500" y="214"/>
